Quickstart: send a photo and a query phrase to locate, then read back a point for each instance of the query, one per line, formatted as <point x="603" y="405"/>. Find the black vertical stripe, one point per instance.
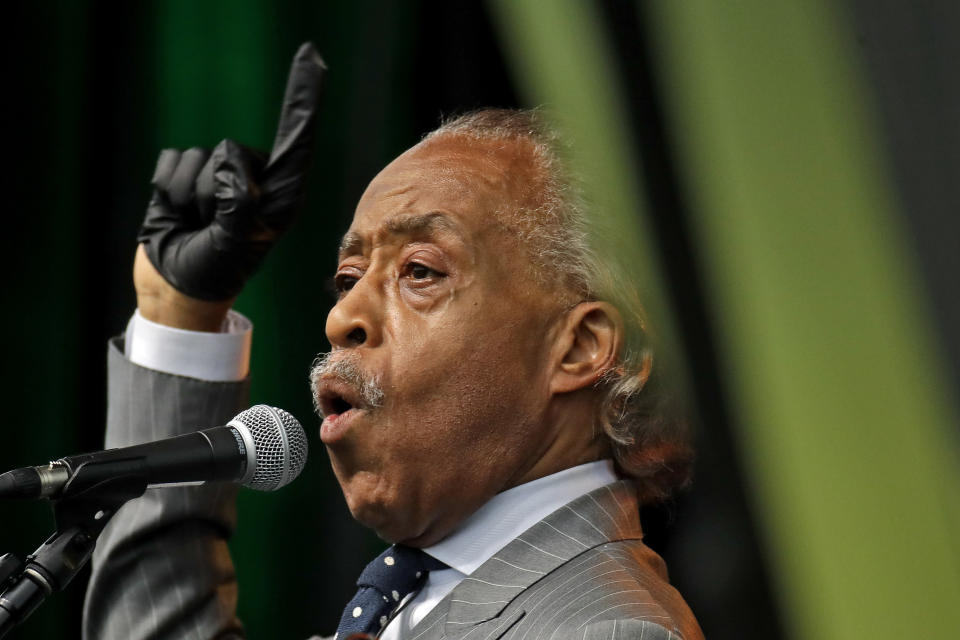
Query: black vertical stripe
<point x="708" y="537"/>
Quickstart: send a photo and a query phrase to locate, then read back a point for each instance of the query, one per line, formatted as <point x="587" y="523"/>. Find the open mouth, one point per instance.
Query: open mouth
<point x="336" y="398"/>
<point x="341" y="406"/>
<point x="334" y="405"/>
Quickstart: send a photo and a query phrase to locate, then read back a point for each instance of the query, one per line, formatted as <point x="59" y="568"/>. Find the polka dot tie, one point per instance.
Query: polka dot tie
<point x="384" y="583"/>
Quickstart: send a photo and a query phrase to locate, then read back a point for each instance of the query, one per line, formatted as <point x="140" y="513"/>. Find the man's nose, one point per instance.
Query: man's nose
<point x="354" y="320"/>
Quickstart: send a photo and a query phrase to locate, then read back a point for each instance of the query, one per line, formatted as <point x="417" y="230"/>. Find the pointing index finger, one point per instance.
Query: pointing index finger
<point x="294" y="141"/>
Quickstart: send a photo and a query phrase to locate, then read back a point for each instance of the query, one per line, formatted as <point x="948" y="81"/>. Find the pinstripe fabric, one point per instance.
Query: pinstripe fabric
<point x="137" y="588"/>
<point x="162" y="568"/>
<point x="580" y="573"/>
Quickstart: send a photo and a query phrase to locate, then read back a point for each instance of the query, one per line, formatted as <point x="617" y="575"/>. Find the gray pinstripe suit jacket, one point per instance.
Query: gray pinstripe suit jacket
<point x="162" y="569"/>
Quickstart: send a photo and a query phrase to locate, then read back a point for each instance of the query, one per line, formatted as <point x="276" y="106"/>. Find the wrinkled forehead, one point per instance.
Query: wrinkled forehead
<point x="429" y="226"/>
<point x="473" y="181"/>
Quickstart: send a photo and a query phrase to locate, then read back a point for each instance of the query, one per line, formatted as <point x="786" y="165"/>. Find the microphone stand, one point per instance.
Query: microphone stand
<point x="94" y="494"/>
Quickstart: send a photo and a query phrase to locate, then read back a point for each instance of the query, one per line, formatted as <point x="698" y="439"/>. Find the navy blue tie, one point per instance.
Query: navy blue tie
<point x="383" y="585"/>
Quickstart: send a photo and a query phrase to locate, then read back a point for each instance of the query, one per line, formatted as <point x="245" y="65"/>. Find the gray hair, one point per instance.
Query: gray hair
<point x="649" y="438"/>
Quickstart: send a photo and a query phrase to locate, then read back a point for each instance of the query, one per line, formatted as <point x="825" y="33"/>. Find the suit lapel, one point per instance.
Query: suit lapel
<point x="604" y="515"/>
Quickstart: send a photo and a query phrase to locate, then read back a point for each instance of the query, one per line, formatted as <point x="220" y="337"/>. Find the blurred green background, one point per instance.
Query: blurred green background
<point x="783" y="178"/>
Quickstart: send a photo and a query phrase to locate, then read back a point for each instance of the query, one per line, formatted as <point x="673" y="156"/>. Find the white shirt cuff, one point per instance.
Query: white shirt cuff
<point x="217" y="357"/>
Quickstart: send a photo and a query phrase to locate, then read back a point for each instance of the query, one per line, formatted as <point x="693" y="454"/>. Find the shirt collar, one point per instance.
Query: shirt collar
<point x="508" y="514"/>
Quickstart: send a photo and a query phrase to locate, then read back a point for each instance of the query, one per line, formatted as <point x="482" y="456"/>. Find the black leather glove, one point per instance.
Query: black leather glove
<point x="213" y="216"/>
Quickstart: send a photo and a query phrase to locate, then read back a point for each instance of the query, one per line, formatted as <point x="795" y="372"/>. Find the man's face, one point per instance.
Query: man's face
<point x="437" y="305"/>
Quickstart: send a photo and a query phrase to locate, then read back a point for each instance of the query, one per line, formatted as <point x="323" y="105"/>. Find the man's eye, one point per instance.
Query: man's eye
<point x="343" y="282"/>
<point x="418" y="271"/>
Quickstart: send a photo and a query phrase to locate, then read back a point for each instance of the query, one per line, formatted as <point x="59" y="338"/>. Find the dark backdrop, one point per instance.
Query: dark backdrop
<point x="94" y="90"/>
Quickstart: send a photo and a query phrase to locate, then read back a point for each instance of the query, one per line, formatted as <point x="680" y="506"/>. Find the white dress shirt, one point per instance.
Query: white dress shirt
<point x="226" y="357"/>
<point x="491" y="527"/>
<point x="218" y="357"/>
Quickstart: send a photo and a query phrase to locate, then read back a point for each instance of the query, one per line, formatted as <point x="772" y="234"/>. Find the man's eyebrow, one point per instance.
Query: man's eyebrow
<point x="352" y="242"/>
<point x="421" y="223"/>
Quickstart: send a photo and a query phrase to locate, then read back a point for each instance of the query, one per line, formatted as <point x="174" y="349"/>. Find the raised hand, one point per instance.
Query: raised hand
<point x="213" y="216"/>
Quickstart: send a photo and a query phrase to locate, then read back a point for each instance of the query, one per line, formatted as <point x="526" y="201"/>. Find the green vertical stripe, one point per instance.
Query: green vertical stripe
<point x="825" y="336"/>
<point x="562" y="62"/>
<point x="215" y="62"/>
<point x="220" y="74"/>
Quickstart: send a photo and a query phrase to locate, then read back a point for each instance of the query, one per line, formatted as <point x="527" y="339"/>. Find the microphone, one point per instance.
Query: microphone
<point x="263" y="448"/>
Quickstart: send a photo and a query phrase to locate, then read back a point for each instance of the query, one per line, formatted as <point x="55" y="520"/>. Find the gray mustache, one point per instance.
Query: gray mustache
<point x="346" y="369"/>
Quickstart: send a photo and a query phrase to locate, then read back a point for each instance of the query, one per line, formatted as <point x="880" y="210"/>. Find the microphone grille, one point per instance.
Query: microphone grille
<point x="280" y="445"/>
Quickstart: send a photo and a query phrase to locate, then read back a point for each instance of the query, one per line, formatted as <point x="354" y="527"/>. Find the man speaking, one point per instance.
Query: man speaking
<point x="487" y="400"/>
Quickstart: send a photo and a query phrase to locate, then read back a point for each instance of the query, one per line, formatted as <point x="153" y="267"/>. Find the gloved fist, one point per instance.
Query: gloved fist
<point x="213" y="216"/>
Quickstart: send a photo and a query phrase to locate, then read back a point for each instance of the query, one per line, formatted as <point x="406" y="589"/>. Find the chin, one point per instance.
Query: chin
<point x="384" y="522"/>
<point x="373" y="505"/>
<point x="371" y="515"/>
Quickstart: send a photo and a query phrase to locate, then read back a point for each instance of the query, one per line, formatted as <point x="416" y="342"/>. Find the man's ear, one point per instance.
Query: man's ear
<point x="588" y="345"/>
